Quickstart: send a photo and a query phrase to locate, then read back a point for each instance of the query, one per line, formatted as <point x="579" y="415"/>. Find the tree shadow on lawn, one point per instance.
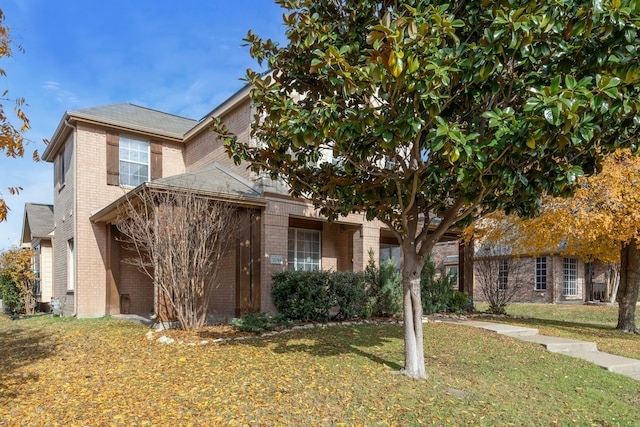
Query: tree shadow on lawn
<point x="338" y="340"/>
<point x="21" y="346"/>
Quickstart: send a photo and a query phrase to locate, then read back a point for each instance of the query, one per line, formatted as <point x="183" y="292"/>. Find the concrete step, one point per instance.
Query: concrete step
<point x="561" y="345"/>
<point x="610" y="362"/>
<point x="503" y="328"/>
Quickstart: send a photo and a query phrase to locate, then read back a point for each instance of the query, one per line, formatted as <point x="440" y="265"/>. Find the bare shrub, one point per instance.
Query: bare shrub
<point x="500" y="276"/>
<point x="179" y="240"/>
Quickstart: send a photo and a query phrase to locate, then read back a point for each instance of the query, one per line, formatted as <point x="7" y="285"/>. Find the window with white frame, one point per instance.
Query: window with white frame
<point x="570" y="277"/>
<point x="35" y="262"/>
<point x="503" y="273"/>
<point x="134" y="161"/>
<point x="541" y="273"/>
<point x="304" y="249"/>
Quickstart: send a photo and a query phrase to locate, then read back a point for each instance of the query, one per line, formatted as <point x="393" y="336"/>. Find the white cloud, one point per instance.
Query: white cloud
<point x="62" y="96"/>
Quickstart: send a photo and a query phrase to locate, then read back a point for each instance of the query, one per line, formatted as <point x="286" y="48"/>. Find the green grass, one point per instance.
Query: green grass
<point x="106" y="372"/>
<point x="583" y="322"/>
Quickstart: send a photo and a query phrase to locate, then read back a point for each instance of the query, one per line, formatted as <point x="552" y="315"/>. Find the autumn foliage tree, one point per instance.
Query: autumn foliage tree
<point x="11" y="137"/>
<point x="440" y="110"/>
<point x="600" y="221"/>
<point x="179" y="240"/>
<point x="19" y="278"/>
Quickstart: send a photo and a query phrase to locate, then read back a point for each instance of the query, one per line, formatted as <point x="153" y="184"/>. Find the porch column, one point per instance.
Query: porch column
<point x="465" y="267"/>
<point x="112" y="270"/>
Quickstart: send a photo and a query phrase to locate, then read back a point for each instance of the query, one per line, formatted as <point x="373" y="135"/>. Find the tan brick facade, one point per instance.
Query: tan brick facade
<point x="96" y="282"/>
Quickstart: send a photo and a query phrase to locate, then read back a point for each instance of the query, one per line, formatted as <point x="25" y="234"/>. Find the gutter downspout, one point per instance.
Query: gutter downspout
<point x="75" y="223"/>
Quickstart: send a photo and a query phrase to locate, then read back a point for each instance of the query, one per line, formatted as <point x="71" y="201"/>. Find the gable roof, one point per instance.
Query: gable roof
<point x="38" y="222"/>
<point x="125" y="117"/>
<point x="136" y="117"/>
<point x="212" y="180"/>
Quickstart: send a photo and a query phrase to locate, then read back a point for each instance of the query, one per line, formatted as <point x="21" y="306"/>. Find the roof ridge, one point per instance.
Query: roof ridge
<point x="162" y="112"/>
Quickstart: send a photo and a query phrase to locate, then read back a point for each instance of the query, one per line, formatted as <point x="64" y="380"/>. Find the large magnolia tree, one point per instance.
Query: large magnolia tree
<point x="600" y="221"/>
<point x="11" y="139"/>
<point x="435" y="112"/>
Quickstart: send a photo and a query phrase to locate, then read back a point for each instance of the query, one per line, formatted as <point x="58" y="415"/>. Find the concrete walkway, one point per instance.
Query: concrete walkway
<point x="569" y="347"/>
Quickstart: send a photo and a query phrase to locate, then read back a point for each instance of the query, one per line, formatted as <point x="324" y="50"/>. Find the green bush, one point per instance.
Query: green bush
<point x="10" y="295"/>
<point x="459" y="302"/>
<point x="384" y="287"/>
<point x="302" y="295"/>
<point x="258" y="322"/>
<point x="349" y="294"/>
<point x="437" y="291"/>
<point x="319" y="295"/>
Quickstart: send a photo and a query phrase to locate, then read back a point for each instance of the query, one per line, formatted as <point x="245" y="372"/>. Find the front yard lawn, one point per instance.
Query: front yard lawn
<point x="105" y="372"/>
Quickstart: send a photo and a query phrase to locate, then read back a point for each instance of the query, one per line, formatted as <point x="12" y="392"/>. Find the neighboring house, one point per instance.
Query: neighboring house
<point x="100" y="154"/>
<point x="37" y="234"/>
<point x="540" y="279"/>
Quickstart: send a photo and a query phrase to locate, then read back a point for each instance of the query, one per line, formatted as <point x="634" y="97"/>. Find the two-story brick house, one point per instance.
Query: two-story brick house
<point x="101" y="153"/>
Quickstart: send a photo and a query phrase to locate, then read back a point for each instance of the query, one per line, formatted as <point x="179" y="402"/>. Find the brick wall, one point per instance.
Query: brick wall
<point x="206" y="148"/>
<point x="555" y="277"/>
<point x="63" y="199"/>
<point x="85" y="191"/>
<point x="337" y="239"/>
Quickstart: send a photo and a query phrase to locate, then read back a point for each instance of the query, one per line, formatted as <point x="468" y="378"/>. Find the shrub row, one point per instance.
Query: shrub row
<point x="319" y="295"/>
<point x="324" y="295"/>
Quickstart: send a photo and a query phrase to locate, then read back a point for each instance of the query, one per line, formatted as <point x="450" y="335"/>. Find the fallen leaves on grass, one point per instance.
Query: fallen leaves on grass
<point x="103" y="372"/>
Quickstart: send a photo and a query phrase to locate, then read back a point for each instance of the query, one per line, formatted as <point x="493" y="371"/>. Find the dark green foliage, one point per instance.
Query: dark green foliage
<point x="437" y="290"/>
<point x="319" y="295"/>
<point x="459" y="302"/>
<point x="258" y="322"/>
<point x="348" y="291"/>
<point x="302" y="295"/>
<point x="384" y="288"/>
<point x="10" y="295"/>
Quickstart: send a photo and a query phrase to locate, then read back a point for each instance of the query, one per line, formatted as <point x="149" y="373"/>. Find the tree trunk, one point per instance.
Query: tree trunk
<point x="413" y="336"/>
<point x="628" y="289"/>
<point x="613" y="282"/>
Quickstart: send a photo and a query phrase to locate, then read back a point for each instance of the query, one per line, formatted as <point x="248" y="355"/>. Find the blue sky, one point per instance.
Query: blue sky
<point x="183" y="58"/>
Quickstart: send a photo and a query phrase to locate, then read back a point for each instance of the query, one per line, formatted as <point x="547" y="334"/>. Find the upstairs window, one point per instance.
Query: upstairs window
<point x="132" y="161"/>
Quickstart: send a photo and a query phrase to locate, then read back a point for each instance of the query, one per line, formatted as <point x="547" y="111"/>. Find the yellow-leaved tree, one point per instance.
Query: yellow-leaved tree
<point x="601" y="221"/>
<point x="18" y="278"/>
<point x="11" y="136"/>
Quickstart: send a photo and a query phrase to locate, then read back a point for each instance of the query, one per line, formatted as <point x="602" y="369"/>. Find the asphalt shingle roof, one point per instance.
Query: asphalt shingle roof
<point x="40" y="218"/>
<point x="135" y="116"/>
<point x="212" y="178"/>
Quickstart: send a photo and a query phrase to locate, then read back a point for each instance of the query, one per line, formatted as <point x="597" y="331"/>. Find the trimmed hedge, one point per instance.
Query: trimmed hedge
<point x="319" y="295"/>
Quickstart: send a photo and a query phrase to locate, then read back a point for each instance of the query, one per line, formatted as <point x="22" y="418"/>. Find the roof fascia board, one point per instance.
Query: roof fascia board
<point x="109" y="212"/>
<point x="57" y="140"/>
<point x="126" y="126"/>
